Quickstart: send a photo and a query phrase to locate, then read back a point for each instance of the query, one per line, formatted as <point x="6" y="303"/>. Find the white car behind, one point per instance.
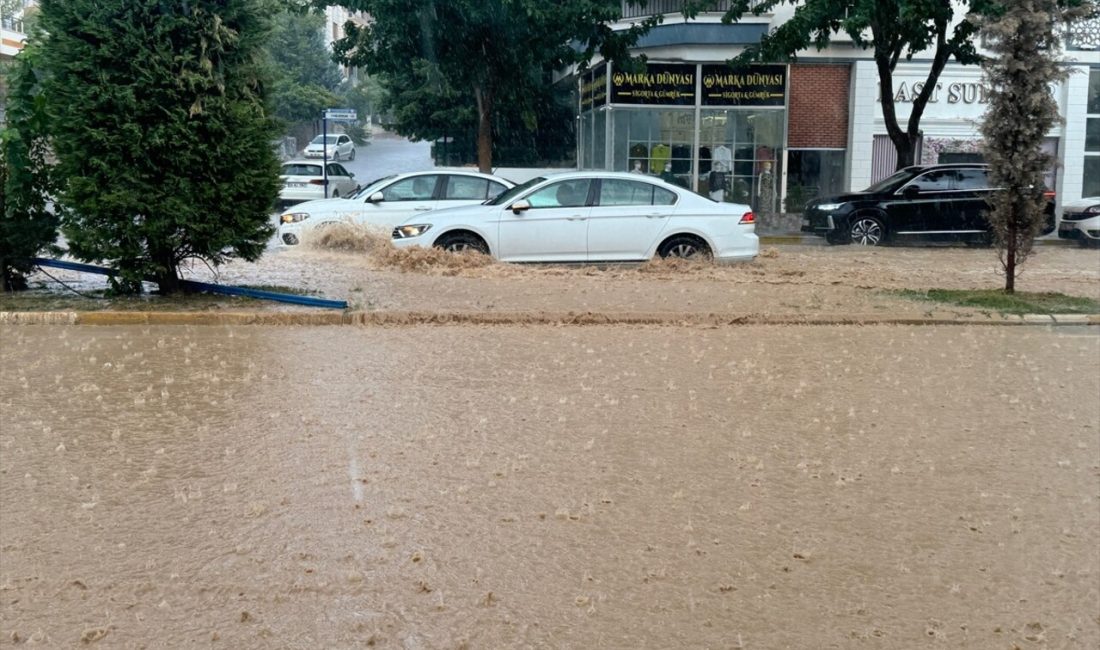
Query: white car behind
<point x="340" y="147"/>
<point x="1081" y="221"/>
<point x="304" y="180"/>
<point x="391" y="200"/>
<point x="590" y="217"/>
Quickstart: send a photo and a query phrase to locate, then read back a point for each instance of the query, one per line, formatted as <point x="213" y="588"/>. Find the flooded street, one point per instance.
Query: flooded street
<point x="574" y="487"/>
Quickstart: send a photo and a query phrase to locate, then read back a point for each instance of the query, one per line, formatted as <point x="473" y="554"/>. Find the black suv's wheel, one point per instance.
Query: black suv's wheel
<point x="866" y="231"/>
<point x="460" y="242"/>
<point x="685" y="247"/>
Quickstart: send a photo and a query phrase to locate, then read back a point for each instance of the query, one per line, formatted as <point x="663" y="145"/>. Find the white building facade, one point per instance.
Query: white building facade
<point x="823" y="131"/>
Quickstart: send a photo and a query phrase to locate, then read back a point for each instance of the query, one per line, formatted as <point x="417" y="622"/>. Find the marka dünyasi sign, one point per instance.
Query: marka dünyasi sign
<point x="661" y="83"/>
<point x="594" y="87"/>
<point x="758" y="85"/>
<point x="674" y="84"/>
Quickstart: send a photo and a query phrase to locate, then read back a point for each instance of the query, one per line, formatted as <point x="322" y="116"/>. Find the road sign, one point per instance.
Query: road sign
<point x="341" y="114"/>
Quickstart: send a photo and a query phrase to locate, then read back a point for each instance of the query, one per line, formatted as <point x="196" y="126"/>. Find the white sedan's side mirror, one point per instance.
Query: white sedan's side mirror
<point x="377" y="197"/>
<point x="520" y="206"/>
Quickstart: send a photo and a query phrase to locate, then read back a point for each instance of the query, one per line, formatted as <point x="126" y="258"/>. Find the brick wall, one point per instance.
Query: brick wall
<point x="818" y="109"/>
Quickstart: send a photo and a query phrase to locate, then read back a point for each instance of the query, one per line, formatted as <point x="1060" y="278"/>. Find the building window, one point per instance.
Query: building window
<point x="1090" y="180"/>
<point x="654" y="141"/>
<point x="812" y="173"/>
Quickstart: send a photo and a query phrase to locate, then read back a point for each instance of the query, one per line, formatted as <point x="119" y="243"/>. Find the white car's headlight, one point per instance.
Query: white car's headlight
<point x="404" y="232"/>
<point x="294" y="217"/>
<point x="828" y="207"/>
<point x="1095" y="209"/>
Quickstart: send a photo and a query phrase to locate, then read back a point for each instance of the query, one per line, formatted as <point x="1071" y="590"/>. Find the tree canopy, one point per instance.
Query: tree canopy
<point x="305" y="78"/>
<point x="161" y="132"/>
<point x="893" y="29"/>
<point x="478" y="60"/>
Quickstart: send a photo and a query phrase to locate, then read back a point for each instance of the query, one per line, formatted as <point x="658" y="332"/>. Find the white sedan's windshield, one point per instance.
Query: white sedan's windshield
<point x="319" y="139"/>
<point x="515" y="191"/>
<point x="373" y="186"/>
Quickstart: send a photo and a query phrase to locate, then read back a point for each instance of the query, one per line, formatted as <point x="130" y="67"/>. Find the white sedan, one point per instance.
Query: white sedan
<point x="389" y="201"/>
<point x="590" y="217"/>
<point x="304" y="180"/>
<point x="338" y="145"/>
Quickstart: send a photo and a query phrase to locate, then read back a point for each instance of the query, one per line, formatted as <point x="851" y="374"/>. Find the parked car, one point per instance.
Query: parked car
<point x="590" y="216"/>
<point x="340" y="146"/>
<point x="938" y="202"/>
<point x="1081" y="221"/>
<point x="303" y="180"/>
<point x="389" y="201"/>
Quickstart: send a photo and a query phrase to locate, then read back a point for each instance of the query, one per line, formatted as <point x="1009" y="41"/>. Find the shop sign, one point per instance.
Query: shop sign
<point x="758" y="85"/>
<point x="661" y="83"/>
<point x="963" y="95"/>
<point x="594" y="87"/>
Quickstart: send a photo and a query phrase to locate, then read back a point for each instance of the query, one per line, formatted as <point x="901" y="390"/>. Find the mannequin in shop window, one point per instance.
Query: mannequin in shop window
<point x="636" y="168"/>
<point x="765" y="189"/>
<point x="718" y="181"/>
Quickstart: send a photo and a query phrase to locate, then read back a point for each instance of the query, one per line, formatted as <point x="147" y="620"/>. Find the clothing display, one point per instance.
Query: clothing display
<point x="722" y="158"/>
<point x="717" y="182"/>
<point x="659" y="155"/>
<point x="641" y="153"/>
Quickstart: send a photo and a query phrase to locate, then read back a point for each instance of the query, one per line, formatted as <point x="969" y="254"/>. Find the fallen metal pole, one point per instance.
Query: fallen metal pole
<point x="198" y="287"/>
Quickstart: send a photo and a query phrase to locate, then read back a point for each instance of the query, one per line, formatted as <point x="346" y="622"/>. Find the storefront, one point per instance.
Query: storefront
<point x="718" y="131"/>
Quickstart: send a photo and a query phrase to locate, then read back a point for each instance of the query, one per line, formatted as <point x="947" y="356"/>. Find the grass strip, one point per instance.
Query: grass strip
<point x="1007" y="303"/>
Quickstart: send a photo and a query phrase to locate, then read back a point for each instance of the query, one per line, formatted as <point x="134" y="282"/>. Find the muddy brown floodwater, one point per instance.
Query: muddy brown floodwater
<point x="550" y="487"/>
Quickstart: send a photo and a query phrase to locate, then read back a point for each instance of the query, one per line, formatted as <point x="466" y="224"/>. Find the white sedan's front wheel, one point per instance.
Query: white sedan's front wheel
<point x="461" y="242"/>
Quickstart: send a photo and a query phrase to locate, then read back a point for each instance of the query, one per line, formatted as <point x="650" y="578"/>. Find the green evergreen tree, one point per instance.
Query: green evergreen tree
<point x="445" y="60"/>
<point x="305" y="76"/>
<point x="27" y="226"/>
<point x="1021" y="112"/>
<point x="161" y="132"/>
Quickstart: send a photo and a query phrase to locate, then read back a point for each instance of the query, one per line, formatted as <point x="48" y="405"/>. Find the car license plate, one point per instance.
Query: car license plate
<point x="1066" y="227"/>
<point x="295" y="184"/>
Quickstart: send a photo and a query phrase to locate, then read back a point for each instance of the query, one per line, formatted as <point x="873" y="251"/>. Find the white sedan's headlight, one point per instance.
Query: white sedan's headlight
<point x="294" y="217"/>
<point x="1095" y="209"/>
<point x="404" y="232"/>
<point x="828" y="207"/>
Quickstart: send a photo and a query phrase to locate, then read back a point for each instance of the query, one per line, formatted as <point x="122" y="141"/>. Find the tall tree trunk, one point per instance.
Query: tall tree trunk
<point x="167" y="277"/>
<point x="484" y="130"/>
<point x="1010" y="261"/>
<point x="903" y="143"/>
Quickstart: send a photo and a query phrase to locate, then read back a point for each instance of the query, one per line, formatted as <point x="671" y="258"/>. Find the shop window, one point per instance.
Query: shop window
<point x="740" y="151"/>
<point x="654" y="141"/>
<point x="813" y="173"/>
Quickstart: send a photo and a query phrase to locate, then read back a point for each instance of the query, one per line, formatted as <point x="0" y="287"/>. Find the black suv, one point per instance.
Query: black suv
<point x="944" y="202"/>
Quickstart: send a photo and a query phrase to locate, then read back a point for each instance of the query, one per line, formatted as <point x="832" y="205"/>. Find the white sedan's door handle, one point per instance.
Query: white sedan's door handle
<point x="575" y="217"/>
<point x="422" y="208"/>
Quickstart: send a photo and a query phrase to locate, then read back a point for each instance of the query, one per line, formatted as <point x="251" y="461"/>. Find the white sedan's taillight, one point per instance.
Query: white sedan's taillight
<point x="748" y="217"/>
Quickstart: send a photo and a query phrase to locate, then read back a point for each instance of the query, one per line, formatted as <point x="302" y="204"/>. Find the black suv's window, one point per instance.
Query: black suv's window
<point x="971" y="179"/>
<point x="937" y="181"/>
<point x="891" y="182"/>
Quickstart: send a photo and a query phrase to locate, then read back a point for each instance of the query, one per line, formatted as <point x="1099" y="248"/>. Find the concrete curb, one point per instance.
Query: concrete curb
<point x="409" y="318"/>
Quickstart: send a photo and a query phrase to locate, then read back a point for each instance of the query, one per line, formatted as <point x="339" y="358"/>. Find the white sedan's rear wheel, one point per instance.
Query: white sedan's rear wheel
<point x="684" y="247"/>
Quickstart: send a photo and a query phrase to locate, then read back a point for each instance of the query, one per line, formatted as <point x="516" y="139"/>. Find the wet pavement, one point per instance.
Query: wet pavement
<point x="500" y="487"/>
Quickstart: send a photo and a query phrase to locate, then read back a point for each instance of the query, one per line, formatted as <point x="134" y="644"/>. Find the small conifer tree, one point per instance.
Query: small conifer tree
<point x="161" y="133"/>
<point x="1026" y="42"/>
